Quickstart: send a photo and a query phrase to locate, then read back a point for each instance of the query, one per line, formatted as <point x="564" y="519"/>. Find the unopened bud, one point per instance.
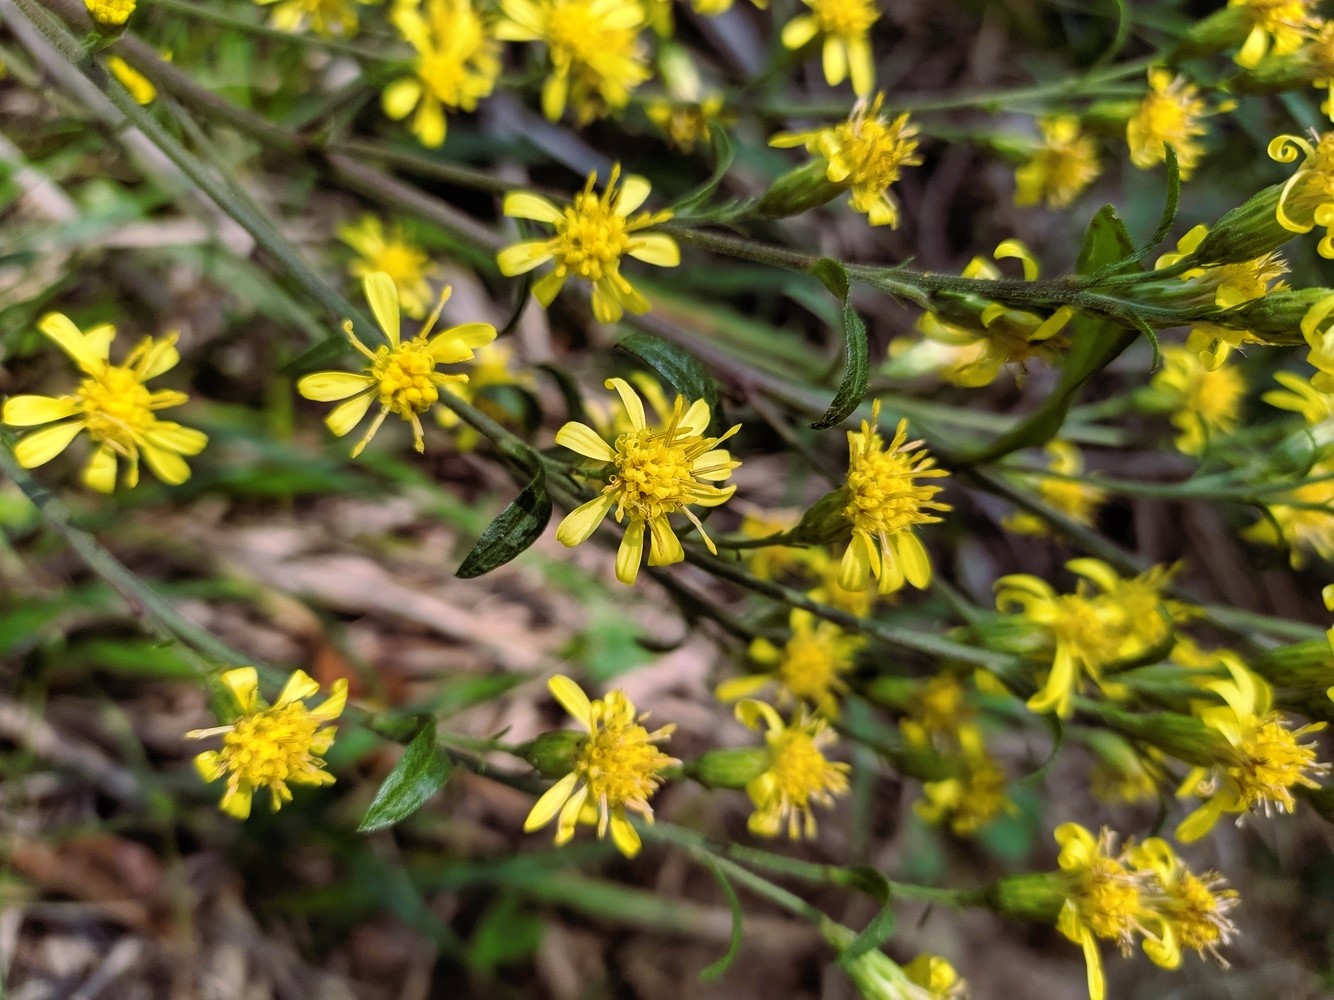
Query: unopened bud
<point x="553" y="754"/>
<point x="1300" y="665"/>
<point x="1278" y="315"/>
<point x="799" y="191"/>
<point x="1032" y="896"/>
<point x="732" y="767"/>
<point x="1248" y="231"/>
<point x="824" y="521"/>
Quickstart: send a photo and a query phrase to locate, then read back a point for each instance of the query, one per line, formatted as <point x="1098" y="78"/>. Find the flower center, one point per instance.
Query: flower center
<point x="590" y="238"/>
<point x="1199" y="918"/>
<point x="810" y="667"/>
<point x="799" y="769"/>
<point x="884" y="497"/>
<point x="849" y="18"/>
<point x="116" y="406"/>
<point x="875" y="150"/>
<point x="444" y="75"/>
<point x="272" y="747"/>
<point x="403" y="377"/>
<point x="652" y="474"/>
<point x="400" y="261"/>
<point x="1275" y="761"/>
<point x="576" y="33"/>
<point x="619" y="761"/>
<point x="1109" y="899"/>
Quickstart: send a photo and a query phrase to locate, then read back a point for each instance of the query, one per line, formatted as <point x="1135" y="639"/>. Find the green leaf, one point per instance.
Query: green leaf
<point x="419" y="774"/>
<point x="1094" y="343"/>
<point x="852" y="390"/>
<point x="722" y="160"/>
<point x="677" y="368"/>
<point x="875" y="933"/>
<point x="513" y="531"/>
<point x="715" y="969"/>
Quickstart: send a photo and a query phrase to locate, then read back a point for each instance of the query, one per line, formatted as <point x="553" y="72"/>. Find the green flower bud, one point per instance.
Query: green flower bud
<point x="1301" y="665"/>
<point x="823" y="523"/>
<point x="733" y="767"/>
<point x="552" y="754"/>
<point x="1182" y="736"/>
<point x="1222" y="30"/>
<point x="1278" y="315"/>
<point x="1248" y="231"/>
<point x="1032" y="896"/>
<point x="799" y="191"/>
<point x="1275" y="75"/>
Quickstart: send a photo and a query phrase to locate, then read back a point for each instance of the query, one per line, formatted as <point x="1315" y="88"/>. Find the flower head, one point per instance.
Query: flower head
<point x="797" y="776"/>
<point x="456" y="65"/>
<point x="972" y="798"/>
<point x="865" y="154"/>
<point x="596" y="56"/>
<point x="845" y="27"/>
<point x="1307" y="198"/>
<point x="1278" y="28"/>
<point x="1068" y="491"/>
<point x="593" y="233"/>
<point x="1170" y="113"/>
<point x="1205" y="402"/>
<point x="113" y="405"/>
<point x="140" y="87"/>
<point x="1060" y="168"/>
<point x="1317" y="327"/>
<point x="268" y="746"/>
<point x="1301" y="396"/>
<point x="1186" y="910"/>
<point x="617" y="769"/>
<point x="401" y="374"/>
<point x="1270" y="758"/>
<point x="650" y="473"/>
<point x="325" y="17"/>
<point x="1301" y="518"/>
<point x="885" y="504"/>
<point x="390" y="252"/>
<point x="808" y="669"/>
<point x="110" y="13"/>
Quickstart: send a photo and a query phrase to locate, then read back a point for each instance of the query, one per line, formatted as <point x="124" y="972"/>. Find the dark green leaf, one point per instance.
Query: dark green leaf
<point x="513" y="531"/>
<point x="420" y="773"/>
<point x="677" y="368"/>
<point x="852" y="390"/>
<point x="722" y="160"/>
<point x="874" y="934"/>
<point x="716" y="969"/>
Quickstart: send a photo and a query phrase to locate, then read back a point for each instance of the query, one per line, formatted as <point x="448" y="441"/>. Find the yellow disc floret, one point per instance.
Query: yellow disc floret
<point x="798" y="776"/>
<point x="1169" y="113"/>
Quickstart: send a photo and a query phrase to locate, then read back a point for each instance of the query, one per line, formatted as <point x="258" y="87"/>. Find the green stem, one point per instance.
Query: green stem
<point x="200" y="13"/>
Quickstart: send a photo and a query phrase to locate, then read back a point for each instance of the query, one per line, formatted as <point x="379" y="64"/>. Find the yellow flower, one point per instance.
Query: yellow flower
<point x="1270" y="758"/>
<point x="1319" y="54"/>
<point x="113" y="405"/>
<point x="1300" y="396"/>
<point x="939" y="715"/>
<point x="845" y="26"/>
<point x="885" y="504"/>
<point x="270" y="745"/>
<point x="395" y="256"/>
<point x="1103" y="898"/>
<point x="140" y="87"/>
<point x="596" y="56"/>
<point x="617" y="769"/>
<point x="1068" y="492"/>
<point x="712" y="8"/>
<point x="971" y="799"/>
<point x="1120" y="774"/>
<point x="1278" y="28"/>
<point x="827" y="569"/>
<point x="1169" y="113"/>
<point x="865" y="154"/>
<point x="1187" y="910"/>
<point x="1307" y="198"/>
<point x="456" y="65"/>
<point x="592" y="235"/>
<point x="1059" y="169"/>
<point x="936" y="977"/>
<point x="326" y="17"/>
<point x="401" y="374"/>
<point x="808" y="669"/>
<point x="1319" y="333"/>
<point x="797" y="776"/>
<point x="649" y="474"/>
<point x="877" y="977"/>
<point x="491" y="370"/>
<point x="1225" y="286"/>
<point x="983" y="337"/>
<point x="772" y="562"/>
<point x="112" y="13"/>
<point x="1302" y="518"/>
<point x="686" y="123"/>
<point x="1205" y="403"/>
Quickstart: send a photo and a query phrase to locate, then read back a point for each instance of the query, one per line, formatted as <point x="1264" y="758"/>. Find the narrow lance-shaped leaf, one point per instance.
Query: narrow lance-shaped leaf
<point x="513" y="531"/>
<point x="679" y="370"/>
<point x="420" y="773"/>
<point x="852" y="390"/>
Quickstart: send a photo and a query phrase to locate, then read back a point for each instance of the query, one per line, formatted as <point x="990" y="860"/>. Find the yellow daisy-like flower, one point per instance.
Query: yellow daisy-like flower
<point x="325" y="17"/>
<point x="269" y="746"/>
<point x="1307" y="198"/>
<point x="885" y="504"/>
<point x="845" y="27"/>
<point x="1186" y="910"/>
<point x="140" y="87"/>
<point x="1278" y="28"/>
<point x="1103" y="898"/>
<point x="936" y="978"/>
<point x="939" y="716"/>
<point x="1317" y="328"/>
<point x="593" y="233"/>
<point x="1169" y="113"/>
<point x="981" y="338"/>
<point x="1302" y="518"/>
<point x="650" y="473"/>
<point x="1270" y="758"/>
<point x="596" y="56"/>
<point x="1205" y="403"/>
<point x="111" y="13"/>
<point x="113" y="405"/>
<point x="797" y="776"/>
<point x="401" y="374"/>
<point x="456" y="66"/>
<point x="686" y="123"/>
<point x="971" y="799"/>
<point x="865" y="154"/>
<point x="1068" y="492"/>
<point x="1300" y="396"/>
<point x="808" y="670"/>
<point x="1060" y="168"/>
<point x="378" y="250"/>
<point x="617" y="769"/>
